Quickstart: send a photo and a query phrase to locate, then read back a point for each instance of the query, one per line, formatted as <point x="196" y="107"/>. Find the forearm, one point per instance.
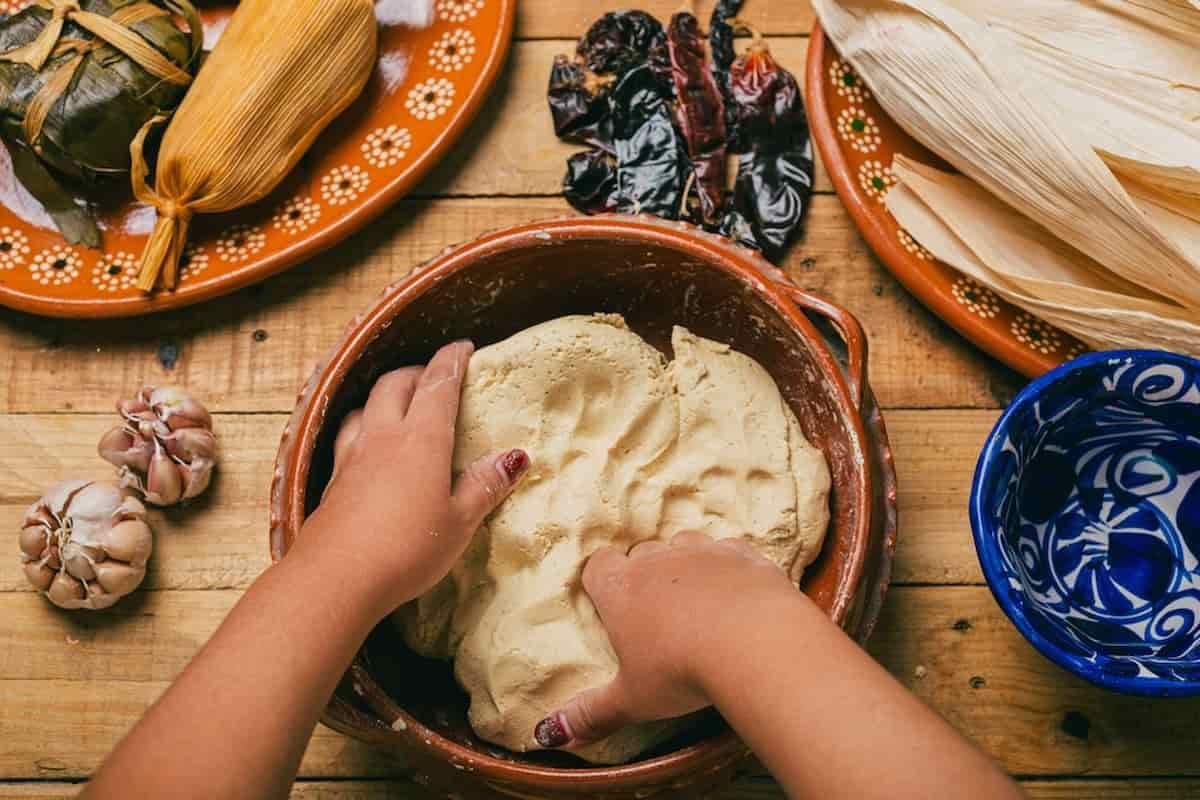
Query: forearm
<point x="830" y="722"/>
<point x="236" y="722"/>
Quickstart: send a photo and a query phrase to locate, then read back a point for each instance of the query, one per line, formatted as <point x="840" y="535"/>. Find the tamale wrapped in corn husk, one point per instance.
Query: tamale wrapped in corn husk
<point x="969" y="229"/>
<point x="281" y="71"/>
<point x="1080" y="116"/>
<point x="78" y="80"/>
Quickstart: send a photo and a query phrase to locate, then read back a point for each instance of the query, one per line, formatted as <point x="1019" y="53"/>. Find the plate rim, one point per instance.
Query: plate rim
<point x="301" y="251"/>
<point x="907" y="269"/>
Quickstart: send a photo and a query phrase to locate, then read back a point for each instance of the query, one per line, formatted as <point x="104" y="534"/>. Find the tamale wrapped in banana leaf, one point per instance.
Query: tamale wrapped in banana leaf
<point x="78" y="80"/>
<point x="279" y="74"/>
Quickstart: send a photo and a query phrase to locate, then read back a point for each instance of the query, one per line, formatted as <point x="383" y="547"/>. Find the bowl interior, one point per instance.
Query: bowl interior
<point x="1093" y="495"/>
<point x="492" y="292"/>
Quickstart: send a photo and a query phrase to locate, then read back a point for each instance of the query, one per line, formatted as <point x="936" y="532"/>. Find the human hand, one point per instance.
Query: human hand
<point x="668" y="608"/>
<point x="393" y="520"/>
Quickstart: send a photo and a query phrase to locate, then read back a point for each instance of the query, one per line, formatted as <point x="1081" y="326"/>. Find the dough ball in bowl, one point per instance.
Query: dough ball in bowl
<point x="627" y="447"/>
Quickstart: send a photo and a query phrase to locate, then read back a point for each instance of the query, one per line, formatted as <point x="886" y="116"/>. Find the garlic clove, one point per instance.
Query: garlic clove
<point x="65" y="591"/>
<point x="164" y="484"/>
<point x="98" y="599"/>
<point x="50" y="554"/>
<point x="34" y="539"/>
<point x="130" y="541"/>
<point x="39" y="575"/>
<point x="122" y="447"/>
<point x="187" y="444"/>
<point x="77" y="563"/>
<point x="178" y="409"/>
<point x="117" y="578"/>
<point x="197" y="476"/>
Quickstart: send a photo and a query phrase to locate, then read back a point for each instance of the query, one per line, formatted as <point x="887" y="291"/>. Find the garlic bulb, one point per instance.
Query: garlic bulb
<point x="165" y="449"/>
<point x="85" y="544"/>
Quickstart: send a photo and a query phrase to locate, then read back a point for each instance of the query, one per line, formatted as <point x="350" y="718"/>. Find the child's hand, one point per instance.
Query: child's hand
<point x="393" y="521"/>
<point x="665" y="607"/>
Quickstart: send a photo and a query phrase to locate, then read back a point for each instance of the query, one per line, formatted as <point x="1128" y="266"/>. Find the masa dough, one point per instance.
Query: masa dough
<point x="624" y="447"/>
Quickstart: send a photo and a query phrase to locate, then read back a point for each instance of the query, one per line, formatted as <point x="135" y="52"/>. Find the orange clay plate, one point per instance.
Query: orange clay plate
<point x="857" y="142"/>
<point x="427" y="86"/>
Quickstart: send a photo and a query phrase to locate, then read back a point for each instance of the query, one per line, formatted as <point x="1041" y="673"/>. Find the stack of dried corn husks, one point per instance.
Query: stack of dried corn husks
<point x="1076" y="126"/>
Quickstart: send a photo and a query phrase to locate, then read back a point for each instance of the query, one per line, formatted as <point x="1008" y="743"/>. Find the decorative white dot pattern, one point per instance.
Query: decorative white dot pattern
<point x="344" y="184"/>
<point x="240" y="242"/>
<point x="431" y="98"/>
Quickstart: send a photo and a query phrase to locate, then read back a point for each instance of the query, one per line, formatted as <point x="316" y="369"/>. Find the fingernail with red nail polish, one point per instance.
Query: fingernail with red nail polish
<point x="552" y="731"/>
<point x="514" y="463"/>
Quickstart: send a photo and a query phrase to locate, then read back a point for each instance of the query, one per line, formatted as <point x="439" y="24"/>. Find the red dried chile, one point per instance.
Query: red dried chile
<point x="699" y="113"/>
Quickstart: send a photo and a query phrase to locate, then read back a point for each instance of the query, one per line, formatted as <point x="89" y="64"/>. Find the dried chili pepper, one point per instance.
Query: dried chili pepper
<point x="720" y="43"/>
<point x="766" y="99"/>
<point x="651" y="159"/>
<point x="620" y="41"/>
<point x="579" y="105"/>
<point x="590" y="184"/>
<point x="772" y="190"/>
<point x="659" y="118"/>
<point x="775" y="169"/>
<point x="720" y="36"/>
<point x="699" y="113"/>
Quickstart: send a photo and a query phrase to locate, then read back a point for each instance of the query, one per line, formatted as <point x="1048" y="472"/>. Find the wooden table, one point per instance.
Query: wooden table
<point x="72" y="684"/>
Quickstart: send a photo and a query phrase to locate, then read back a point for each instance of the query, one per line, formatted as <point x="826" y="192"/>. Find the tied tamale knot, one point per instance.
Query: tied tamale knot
<point x="169" y="209"/>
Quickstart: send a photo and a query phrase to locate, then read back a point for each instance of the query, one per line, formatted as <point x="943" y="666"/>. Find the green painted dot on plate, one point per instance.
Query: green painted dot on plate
<point x="848" y="78"/>
<point x="859" y="125"/>
<point x="878" y="183"/>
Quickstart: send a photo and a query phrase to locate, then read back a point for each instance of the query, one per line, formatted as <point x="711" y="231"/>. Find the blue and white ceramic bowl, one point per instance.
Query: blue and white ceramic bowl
<point x="1086" y="513"/>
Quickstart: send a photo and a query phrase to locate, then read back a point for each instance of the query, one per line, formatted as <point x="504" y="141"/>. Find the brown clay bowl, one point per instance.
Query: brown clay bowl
<point x="657" y="275"/>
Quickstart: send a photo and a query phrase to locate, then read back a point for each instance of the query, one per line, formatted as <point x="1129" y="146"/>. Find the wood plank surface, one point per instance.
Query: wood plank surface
<point x="70" y="685"/>
<point x="252" y="351"/>
<point x="221" y="541"/>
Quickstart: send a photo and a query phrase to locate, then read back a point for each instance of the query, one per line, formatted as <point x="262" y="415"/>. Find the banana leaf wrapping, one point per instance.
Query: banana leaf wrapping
<point x="78" y="81"/>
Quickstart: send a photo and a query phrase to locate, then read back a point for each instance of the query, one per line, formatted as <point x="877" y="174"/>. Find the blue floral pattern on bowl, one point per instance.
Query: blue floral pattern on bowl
<point x="1086" y="515"/>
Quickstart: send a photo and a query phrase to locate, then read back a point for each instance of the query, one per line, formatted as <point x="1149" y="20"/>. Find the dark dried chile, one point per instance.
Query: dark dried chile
<point x="772" y="190"/>
<point x="590" y="184"/>
<point x="699" y="113"/>
<point x="775" y="172"/>
<point x="579" y="105"/>
<point x="651" y="158"/>
<point x="720" y="44"/>
<point x="720" y="37"/>
<point x="620" y="41"/>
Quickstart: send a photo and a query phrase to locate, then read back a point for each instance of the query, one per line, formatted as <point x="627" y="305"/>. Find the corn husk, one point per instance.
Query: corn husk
<point x="971" y="230"/>
<point x="280" y="73"/>
<point x="1049" y="122"/>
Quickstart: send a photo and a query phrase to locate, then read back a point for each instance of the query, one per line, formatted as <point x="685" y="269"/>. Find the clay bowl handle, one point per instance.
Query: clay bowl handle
<point x="851" y="331"/>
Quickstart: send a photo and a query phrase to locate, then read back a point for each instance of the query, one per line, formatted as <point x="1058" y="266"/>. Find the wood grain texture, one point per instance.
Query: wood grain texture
<point x="251" y="351"/>
<point x="749" y="788"/>
<point x="70" y="685"/>
<point x="221" y="541"/>
<point x="557" y="19"/>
